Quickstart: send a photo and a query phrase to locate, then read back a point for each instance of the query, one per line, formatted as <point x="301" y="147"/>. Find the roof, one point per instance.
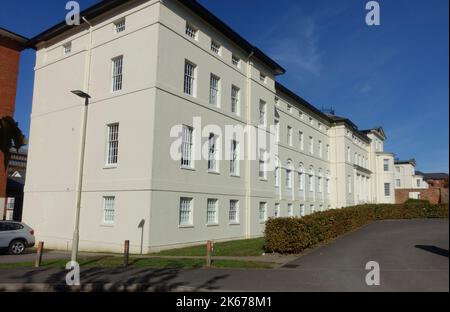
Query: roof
<point x="405" y="162"/>
<point x="280" y="88"/>
<point x="433" y="176"/>
<point x="105" y="6"/>
<point x="17" y="40"/>
<point x="343" y="120"/>
<point x="332" y="119"/>
<point x="379" y="131"/>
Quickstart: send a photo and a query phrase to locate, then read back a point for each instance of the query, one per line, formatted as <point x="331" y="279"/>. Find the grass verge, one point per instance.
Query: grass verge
<point x="110" y="262"/>
<point x="236" y="248"/>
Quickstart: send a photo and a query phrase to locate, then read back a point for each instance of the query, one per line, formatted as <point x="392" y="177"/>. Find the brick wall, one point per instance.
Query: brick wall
<point x="9" y="69"/>
<point x="437" y="183"/>
<point x="434" y="195"/>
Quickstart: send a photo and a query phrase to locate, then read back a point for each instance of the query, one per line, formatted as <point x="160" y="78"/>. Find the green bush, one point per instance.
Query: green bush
<point x="293" y="235"/>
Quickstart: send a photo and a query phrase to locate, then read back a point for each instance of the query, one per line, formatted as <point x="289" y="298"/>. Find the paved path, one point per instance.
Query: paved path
<point x="413" y="256"/>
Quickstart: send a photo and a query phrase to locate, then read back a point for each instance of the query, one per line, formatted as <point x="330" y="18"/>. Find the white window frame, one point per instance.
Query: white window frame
<point x="191" y="31"/>
<point x="262" y="77"/>
<point x="302" y="141"/>
<point x="386" y="165"/>
<point x="189" y="81"/>
<point x="289" y="135"/>
<point x="233" y="210"/>
<point x="234" y="158"/>
<point x="120" y="26"/>
<point x="277" y="211"/>
<point x="311" y="183"/>
<point x="109" y="210"/>
<point x="262" y="113"/>
<point x="311" y="145"/>
<point x="290" y="210"/>
<point x="320" y="149"/>
<point x="302" y="210"/>
<point x="235" y="100"/>
<point x="112" y="144"/>
<point x="117" y="73"/>
<point x="236" y="61"/>
<point x="289" y="173"/>
<point x="67" y="48"/>
<point x="214" y="90"/>
<point x="216" y="47"/>
<point x="185" y="206"/>
<point x="212" y="210"/>
<point x="213" y="165"/>
<point x="262" y="164"/>
<point x="387" y="189"/>
<point x="262" y="212"/>
<point x="187" y="147"/>
<point x="301" y="181"/>
<point x="277" y="175"/>
<point x="10" y="203"/>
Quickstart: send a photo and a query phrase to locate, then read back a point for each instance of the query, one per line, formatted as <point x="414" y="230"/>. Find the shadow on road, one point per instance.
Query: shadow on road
<point x="116" y="280"/>
<point x="433" y="249"/>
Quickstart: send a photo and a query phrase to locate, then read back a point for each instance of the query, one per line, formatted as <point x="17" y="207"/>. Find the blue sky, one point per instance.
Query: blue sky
<point x="394" y="75"/>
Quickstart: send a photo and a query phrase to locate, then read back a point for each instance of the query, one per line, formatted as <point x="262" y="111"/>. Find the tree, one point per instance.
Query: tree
<point x="10" y="136"/>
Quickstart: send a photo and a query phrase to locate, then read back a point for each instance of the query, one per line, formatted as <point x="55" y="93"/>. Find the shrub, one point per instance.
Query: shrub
<point x="293" y="235"/>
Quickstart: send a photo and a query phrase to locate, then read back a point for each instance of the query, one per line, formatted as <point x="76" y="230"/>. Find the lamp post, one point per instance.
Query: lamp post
<point x="76" y="231"/>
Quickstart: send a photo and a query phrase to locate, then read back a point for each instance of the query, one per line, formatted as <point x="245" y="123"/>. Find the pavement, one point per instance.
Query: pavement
<point x="412" y="255"/>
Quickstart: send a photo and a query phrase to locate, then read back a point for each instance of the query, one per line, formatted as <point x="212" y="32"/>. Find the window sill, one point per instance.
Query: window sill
<point x="213" y="172"/>
<point x="263" y="179"/>
<point x="187" y="168"/>
<point x="107" y="225"/>
<point x="187" y="226"/>
<point x="235" y="175"/>
<point x="110" y="167"/>
<point x="212" y="224"/>
<point x="234" y="223"/>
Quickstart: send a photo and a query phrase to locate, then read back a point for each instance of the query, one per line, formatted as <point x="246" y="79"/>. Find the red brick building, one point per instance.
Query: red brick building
<point x="11" y="45"/>
<point x="435" y="179"/>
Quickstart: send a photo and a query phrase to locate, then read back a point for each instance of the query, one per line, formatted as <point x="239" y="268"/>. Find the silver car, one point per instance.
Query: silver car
<point x="15" y="236"/>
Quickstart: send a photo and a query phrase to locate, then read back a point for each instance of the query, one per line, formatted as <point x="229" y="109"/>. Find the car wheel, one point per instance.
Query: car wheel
<point x="16" y="247"/>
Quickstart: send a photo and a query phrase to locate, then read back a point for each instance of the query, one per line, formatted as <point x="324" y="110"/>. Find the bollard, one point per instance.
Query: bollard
<point x="126" y="253"/>
<point x="39" y="252"/>
<point x="208" y="253"/>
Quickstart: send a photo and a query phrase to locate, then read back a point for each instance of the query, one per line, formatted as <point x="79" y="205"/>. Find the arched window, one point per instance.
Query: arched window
<point x="327" y="183"/>
<point x="301" y="177"/>
<point x="289" y="174"/>
<point x="277" y="172"/>
<point x="320" y="180"/>
<point x="311" y="179"/>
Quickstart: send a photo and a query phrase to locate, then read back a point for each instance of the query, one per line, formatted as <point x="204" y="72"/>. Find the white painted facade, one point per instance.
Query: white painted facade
<point x="340" y="166"/>
<point x="406" y="177"/>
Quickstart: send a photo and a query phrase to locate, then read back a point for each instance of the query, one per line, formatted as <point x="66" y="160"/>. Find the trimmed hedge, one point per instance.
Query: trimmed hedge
<point x="295" y="234"/>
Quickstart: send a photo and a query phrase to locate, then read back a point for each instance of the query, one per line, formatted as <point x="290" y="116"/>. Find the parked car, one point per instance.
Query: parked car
<point x="15" y="237"/>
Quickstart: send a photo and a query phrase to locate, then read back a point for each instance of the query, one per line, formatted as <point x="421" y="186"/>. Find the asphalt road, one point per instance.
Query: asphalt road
<point x="412" y="254"/>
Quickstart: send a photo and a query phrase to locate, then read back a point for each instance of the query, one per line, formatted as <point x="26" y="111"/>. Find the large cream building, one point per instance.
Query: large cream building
<point x="149" y="66"/>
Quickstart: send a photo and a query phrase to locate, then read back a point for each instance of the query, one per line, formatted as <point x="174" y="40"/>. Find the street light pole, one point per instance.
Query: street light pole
<point x="76" y="232"/>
